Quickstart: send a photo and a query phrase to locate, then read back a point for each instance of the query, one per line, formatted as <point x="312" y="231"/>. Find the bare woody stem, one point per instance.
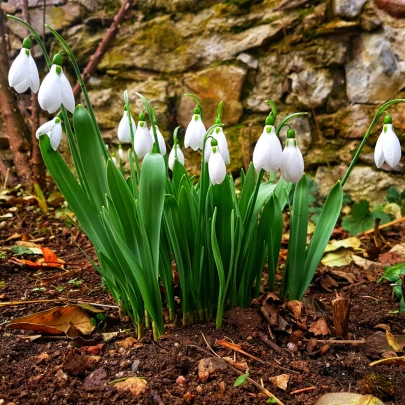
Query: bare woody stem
<point x="104" y="44"/>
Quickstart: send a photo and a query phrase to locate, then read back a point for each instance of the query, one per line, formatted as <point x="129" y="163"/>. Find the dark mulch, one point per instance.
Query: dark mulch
<point x="41" y="372"/>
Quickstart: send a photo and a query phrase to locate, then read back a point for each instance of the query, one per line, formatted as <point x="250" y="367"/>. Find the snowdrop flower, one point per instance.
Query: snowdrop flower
<point x="195" y="132"/>
<point x="219" y="135"/>
<point x="56" y="89"/>
<point x="216" y="164"/>
<point x="143" y="140"/>
<point x="121" y="153"/>
<point x="53" y="129"/>
<point x="123" y="132"/>
<point x="292" y="166"/>
<point x="115" y="161"/>
<point x="388" y="148"/>
<point x="23" y="73"/>
<point x="268" y="154"/>
<point x="161" y="139"/>
<point x="172" y="155"/>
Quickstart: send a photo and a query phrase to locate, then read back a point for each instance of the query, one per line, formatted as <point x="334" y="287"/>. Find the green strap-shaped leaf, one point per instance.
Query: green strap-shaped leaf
<point x="91" y="155"/>
<point x="298" y="238"/>
<point x="152" y="190"/>
<point x="326" y="223"/>
<point x="247" y="189"/>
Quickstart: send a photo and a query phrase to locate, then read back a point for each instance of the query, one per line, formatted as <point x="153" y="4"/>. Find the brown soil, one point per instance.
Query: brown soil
<point x="57" y="371"/>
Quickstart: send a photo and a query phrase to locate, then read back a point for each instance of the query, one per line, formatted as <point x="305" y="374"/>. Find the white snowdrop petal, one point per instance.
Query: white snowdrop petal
<point x="123" y="132"/>
<point x="49" y="96"/>
<point x="292" y="167"/>
<point x="18" y="69"/>
<point x="161" y="140"/>
<point x="222" y="145"/>
<point x="275" y="153"/>
<point x="67" y="97"/>
<point x="172" y="156"/>
<point x="33" y="74"/>
<point x="195" y="133"/>
<point x="45" y="128"/>
<point x="261" y="153"/>
<point x="121" y="153"/>
<point x="216" y="168"/>
<point x="378" y="151"/>
<point x="56" y="136"/>
<point x="143" y="141"/>
<point x="391" y="148"/>
<point x="22" y="86"/>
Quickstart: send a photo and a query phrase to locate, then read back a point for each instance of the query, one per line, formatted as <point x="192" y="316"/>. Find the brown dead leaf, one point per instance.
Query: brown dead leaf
<point x="320" y="327"/>
<point x="128" y="342"/>
<point x="393" y="342"/>
<point x="71" y="320"/>
<point x="281" y="381"/>
<point x="13" y="237"/>
<point x="295" y="307"/>
<point x="240" y="365"/>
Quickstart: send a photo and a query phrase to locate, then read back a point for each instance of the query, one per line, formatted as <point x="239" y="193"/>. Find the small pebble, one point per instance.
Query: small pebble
<point x="121" y="350"/>
<point x="135" y="366"/>
<point x="122" y="374"/>
<point x="176" y="345"/>
<point x="125" y="364"/>
<point x="181" y="380"/>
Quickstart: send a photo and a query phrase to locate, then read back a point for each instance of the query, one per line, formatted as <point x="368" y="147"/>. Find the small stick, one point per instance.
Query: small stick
<point x="340" y="315"/>
<point x="268" y="342"/>
<point x="15" y="303"/>
<point x="302" y="390"/>
<point x="341" y="342"/>
<point x="268" y="393"/>
<point x="237" y="348"/>
<point x="370" y="231"/>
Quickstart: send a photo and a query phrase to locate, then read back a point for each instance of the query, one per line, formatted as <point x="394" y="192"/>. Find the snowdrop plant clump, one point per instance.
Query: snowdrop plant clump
<point x="219" y="236"/>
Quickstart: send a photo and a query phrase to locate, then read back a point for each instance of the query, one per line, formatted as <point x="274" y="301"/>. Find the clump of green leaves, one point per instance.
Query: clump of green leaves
<point x="98" y="320"/>
<point x="393" y="275"/>
<point x="394" y="196"/>
<point x="241" y="380"/>
<point x="361" y="218"/>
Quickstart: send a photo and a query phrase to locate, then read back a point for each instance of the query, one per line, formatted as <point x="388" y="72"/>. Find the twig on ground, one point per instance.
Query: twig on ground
<point x="94" y="304"/>
<point x="388" y="224"/>
<point x="302" y="390"/>
<point x="257" y="385"/>
<point x="338" y="342"/>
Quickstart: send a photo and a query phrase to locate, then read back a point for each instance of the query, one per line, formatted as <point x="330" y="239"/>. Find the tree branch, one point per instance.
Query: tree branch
<point x="104" y="44"/>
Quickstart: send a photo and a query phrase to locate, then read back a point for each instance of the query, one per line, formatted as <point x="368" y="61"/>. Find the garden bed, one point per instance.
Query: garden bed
<point x="62" y="370"/>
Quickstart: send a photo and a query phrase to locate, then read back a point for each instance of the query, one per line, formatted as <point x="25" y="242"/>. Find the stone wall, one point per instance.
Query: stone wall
<point x="337" y="59"/>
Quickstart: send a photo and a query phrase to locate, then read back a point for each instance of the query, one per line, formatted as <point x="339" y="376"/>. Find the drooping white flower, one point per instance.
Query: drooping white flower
<point x="268" y="153"/>
<point x="115" y="161"/>
<point x="388" y="148"/>
<point x="216" y="164"/>
<point x="219" y="135"/>
<point x="172" y="155"/>
<point x="292" y="166"/>
<point x="143" y="140"/>
<point x="121" y="152"/>
<point x="23" y="73"/>
<point x="195" y="132"/>
<point x="161" y="139"/>
<point x="123" y="132"/>
<point x="53" y="129"/>
<point x="56" y="89"/>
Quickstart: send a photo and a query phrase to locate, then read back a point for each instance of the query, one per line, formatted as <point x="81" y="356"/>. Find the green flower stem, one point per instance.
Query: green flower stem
<point x="197" y="100"/>
<point x="151" y="114"/>
<point x="73" y="61"/>
<point x="131" y="131"/>
<point x="288" y="118"/>
<point x="380" y="111"/>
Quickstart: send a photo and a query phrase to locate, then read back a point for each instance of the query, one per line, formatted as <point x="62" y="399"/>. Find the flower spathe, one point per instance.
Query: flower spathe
<point x="121" y="153"/>
<point x="53" y="129"/>
<point x="195" y="132"/>
<point x="124" y="132"/>
<point x="161" y="140"/>
<point x="216" y="167"/>
<point x="268" y="153"/>
<point x="292" y="166"/>
<point x="56" y="90"/>
<point x="143" y="141"/>
<point x="388" y="148"/>
<point x="172" y="156"/>
<point x="23" y="73"/>
<point x="219" y="135"/>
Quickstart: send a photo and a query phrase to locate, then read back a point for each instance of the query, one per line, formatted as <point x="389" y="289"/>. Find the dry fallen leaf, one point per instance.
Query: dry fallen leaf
<point x="240" y="365"/>
<point x="393" y="342"/>
<point x="71" y="320"/>
<point x="280" y="381"/>
<point x="320" y="327"/>
<point x="49" y="259"/>
<point x="295" y="307"/>
<point x="338" y="258"/>
<point x="352" y="242"/>
<point x="128" y="342"/>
